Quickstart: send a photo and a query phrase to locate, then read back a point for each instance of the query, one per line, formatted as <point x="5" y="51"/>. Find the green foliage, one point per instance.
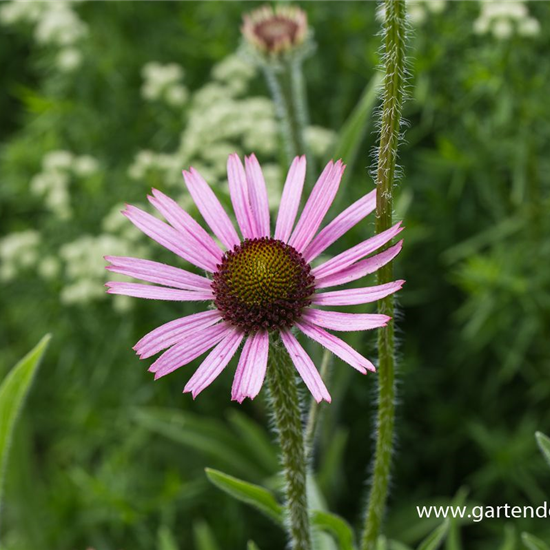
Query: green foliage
<point x="336" y="526"/>
<point x="544" y="444"/>
<point x="13" y="392"/>
<point x="533" y="543"/>
<point x="435" y="539"/>
<point x="105" y="456"/>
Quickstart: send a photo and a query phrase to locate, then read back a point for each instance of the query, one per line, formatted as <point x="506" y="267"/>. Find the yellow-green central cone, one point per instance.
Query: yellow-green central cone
<point x="262" y="283"/>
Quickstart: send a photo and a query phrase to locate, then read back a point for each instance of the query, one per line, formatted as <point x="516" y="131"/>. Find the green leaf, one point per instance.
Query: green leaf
<point x="544" y="444"/>
<point x="354" y="129"/>
<point x="204" y="537"/>
<point x="338" y="527"/>
<point x="166" y="539"/>
<point x="382" y="543"/>
<point x="396" y="545"/>
<point x="436" y="537"/>
<point x="250" y="494"/>
<point x="252" y="545"/>
<point x="533" y="543"/>
<point x="13" y="392"/>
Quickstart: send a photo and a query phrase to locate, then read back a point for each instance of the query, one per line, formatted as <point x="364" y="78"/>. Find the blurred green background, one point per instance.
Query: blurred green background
<point x="100" y="101"/>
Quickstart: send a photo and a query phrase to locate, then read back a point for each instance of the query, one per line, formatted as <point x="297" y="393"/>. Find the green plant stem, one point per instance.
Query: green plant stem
<point x="288" y="419"/>
<point x="394" y="81"/>
<point x="314" y="408"/>
<point x="285" y="82"/>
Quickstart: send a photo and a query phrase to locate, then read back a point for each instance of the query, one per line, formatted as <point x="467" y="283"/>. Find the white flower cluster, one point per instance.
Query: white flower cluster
<point x="319" y="140"/>
<point x="163" y="83"/>
<point x="19" y="252"/>
<point x="418" y="11"/>
<point x="58" y="170"/>
<point x="55" y="24"/>
<point x="503" y="18"/>
<point x="84" y="267"/>
<point x="219" y="121"/>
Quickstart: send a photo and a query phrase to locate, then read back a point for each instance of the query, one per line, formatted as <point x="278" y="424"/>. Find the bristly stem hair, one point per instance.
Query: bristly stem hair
<point x="285" y="404"/>
<point x="394" y="66"/>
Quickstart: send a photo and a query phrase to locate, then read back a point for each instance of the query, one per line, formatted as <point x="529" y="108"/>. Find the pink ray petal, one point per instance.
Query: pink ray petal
<point x="317" y="206"/>
<point x="360" y="269"/>
<point x="171" y="333"/>
<point x="257" y="191"/>
<point x="250" y="373"/>
<point x="155" y="272"/>
<point x="305" y="367"/>
<point x="211" y="209"/>
<point x="340" y="225"/>
<point x="353" y="296"/>
<point x="150" y="292"/>
<point x="290" y="200"/>
<point x="192" y="346"/>
<point x="182" y="221"/>
<point x="337" y="346"/>
<point x="214" y="364"/>
<point x="345" y="322"/>
<point x="168" y="237"/>
<point x="238" y="189"/>
<point x="359" y="251"/>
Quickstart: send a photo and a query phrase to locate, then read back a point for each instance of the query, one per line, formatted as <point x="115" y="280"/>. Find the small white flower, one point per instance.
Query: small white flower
<point x="68" y="59"/>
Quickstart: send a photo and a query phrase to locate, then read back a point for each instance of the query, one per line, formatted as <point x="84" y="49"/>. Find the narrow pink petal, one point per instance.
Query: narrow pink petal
<point x="150" y="292"/>
<point x="360" y="269"/>
<point x="211" y="209"/>
<point x="214" y="364"/>
<point x="359" y="251"/>
<point x="305" y="367"/>
<point x="250" y="373"/>
<point x="350" y="217"/>
<point x="257" y="191"/>
<point x="238" y="189"/>
<point x="189" y="348"/>
<point x="168" y="237"/>
<point x="345" y="322"/>
<point x="290" y="200"/>
<point x="185" y="223"/>
<point x="354" y="296"/>
<point x="171" y="333"/>
<point x="317" y="206"/>
<point x="337" y="346"/>
<point x="155" y="272"/>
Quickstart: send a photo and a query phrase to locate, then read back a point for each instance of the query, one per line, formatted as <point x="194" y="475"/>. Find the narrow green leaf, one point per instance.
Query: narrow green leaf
<point x="338" y="527"/>
<point x="533" y="543"/>
<point x="166" y="539"/>
<point x="396" y="545"/>
<point x="250" y="494"/>
<point x="382" y="543"/>
<point x="434" y="540"/>
<point x="204" y="537"/>
<point x="354" y="129"/>
<point x="13" y="392"/>
<point x="252" y="545"/>
<point x="544" y="444"/>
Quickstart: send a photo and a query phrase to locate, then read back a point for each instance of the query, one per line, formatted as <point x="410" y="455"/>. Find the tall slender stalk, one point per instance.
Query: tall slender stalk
<point x="288" y="419"/>
<point x="393" y="92"/>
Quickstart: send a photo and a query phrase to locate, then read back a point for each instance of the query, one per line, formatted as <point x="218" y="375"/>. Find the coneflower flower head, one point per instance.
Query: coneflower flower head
<point x="275" y="30"/>
<point x="257" y="284"/>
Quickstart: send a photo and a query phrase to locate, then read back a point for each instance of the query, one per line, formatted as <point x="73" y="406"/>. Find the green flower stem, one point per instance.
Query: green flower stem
<point x="314" y="408"/>
<point x="285" y="82"/>
<point x="288" y="419"/>
<point x="394" y="81"/>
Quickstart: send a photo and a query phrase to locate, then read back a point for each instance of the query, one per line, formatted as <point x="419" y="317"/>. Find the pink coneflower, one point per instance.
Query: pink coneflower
<point x="275" y="30"/>
<point x="258" y="284"/>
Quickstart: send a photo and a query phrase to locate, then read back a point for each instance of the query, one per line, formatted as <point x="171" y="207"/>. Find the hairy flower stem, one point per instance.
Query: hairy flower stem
<point x="288" y="419"/>
<point x="393" y="91"/>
